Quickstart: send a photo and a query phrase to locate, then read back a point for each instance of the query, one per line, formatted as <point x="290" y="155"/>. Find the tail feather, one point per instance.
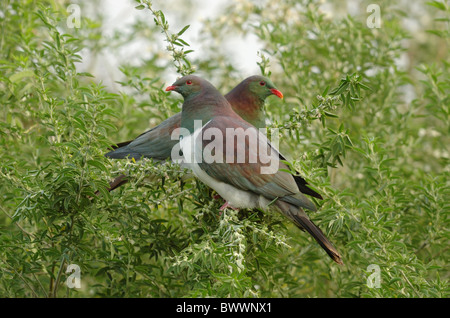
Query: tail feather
<point x="301" y="220"/>
<point x="123" y="153"/>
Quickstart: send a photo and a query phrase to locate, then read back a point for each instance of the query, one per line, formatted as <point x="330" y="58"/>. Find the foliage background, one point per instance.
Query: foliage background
<point x="365" y="119"/>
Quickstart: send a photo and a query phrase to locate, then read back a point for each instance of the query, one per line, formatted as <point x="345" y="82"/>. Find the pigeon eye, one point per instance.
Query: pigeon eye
<point x="262" y="83"/>
<point x="189" y="82"/>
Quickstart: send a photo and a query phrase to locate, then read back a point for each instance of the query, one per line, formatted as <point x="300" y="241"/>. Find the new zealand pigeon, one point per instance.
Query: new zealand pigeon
<point x="231" y="156"/>
<point x="247" y="99"/>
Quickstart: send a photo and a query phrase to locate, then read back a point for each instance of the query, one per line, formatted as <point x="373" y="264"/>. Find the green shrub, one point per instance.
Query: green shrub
<point x="369" y="134"/>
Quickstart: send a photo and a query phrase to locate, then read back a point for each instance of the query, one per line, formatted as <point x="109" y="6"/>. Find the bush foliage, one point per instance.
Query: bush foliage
<point x="368" y="131"/>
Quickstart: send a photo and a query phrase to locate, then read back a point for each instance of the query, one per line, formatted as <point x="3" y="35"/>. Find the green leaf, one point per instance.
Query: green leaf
<point x="328" y="114"/>
<point x="183" y="30"/>
<point x="183" y="42"/>
<point x="340" y="89"/>
<point x="363" y="86"/>
<point x="97" y="164"/>
<point x="21" y="75"/>
<point x="85" y="74"/>
<point x="437" y="4"/>
<point x="163" y="18"/>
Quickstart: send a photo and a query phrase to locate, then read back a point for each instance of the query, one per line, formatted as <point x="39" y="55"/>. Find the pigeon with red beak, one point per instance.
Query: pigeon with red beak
<point x="208" y="119"/>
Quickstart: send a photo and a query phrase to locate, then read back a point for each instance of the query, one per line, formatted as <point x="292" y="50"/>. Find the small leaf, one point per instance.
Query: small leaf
<point x="21" y="75"/>
<point x="437" y="4"/>
<point x="183" y="30"/>
<point x="97" y="164"/>
<point x="183" y="42"/>
<point x="85" y="74"/>
<point x="328" y="114"/>
<point x="363" y="86"/>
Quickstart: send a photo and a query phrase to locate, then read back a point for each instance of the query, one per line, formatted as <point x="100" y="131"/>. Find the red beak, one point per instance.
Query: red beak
<point x="170" y="88"/>
<point x="275" y="92"/>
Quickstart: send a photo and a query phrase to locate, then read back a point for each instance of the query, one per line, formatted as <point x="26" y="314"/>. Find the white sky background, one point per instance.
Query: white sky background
<point x="242" y="51"/>
<point x="119" y="14"/>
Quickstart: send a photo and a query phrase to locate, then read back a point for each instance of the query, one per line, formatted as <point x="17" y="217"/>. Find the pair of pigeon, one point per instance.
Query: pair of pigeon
<point x="220" y="142"/>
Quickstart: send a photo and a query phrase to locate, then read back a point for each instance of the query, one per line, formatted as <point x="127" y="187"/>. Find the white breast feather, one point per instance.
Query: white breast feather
<point x="236" y="198"/>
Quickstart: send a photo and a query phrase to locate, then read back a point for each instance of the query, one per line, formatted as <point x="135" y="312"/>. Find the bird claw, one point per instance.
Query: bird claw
<point x="227" y="205"/>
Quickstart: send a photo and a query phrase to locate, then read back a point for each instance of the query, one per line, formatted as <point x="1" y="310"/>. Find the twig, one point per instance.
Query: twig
<point x="179" y="55"/>
<point x="23" y="279"/>
<point x="410" y="285"/>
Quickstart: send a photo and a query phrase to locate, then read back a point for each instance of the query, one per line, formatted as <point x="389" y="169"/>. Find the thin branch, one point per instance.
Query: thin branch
<point x="179" y="55"/>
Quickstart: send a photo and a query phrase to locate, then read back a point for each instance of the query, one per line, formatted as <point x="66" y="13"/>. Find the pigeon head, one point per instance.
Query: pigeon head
<point x="202" y="101"/>
<point x="248" y="98"/>
<point x="262" y="87"/>
<point x="187" y="86"/>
